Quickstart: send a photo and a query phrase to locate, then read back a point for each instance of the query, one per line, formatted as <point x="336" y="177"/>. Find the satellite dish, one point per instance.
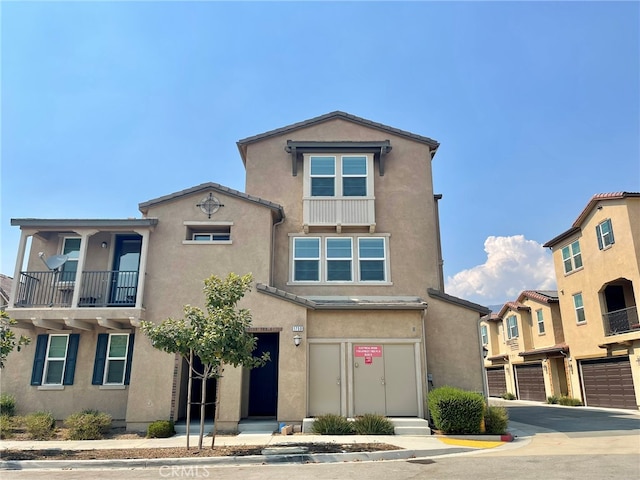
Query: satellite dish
<point x="54" y="262"/>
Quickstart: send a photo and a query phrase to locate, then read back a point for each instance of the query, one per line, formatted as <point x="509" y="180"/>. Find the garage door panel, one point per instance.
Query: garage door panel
<point x="496" y="381"/>
<point x="608" y="383"/>
<point x="530" y="383"/>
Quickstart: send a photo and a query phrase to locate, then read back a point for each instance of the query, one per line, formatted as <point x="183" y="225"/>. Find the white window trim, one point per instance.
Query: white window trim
<point x="45" y="370"/>
<point x="203" y="228"/>
<point x="484" y="335"/>
<point x="338" y="175"/>
<point x="540" y="321"/>
<point x="355" y="263"/>
<point x="508" y="329"/>
<point x="367" y="259"/>
<point x="572" y="257"/>
<point x="327" y="259"/>
<point x="294" y="258"/>
<point x="109" y="359"/>
<point x="575" y="309"/>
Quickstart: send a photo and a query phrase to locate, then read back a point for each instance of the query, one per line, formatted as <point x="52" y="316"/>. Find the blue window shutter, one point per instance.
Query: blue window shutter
<point x="611" y="232"/>
<point x="127" y="372"/>
<point x="72" y="355"/>
<point x="599" y="235"/>
<point x="38" y="360"/>
<point x="101" y="359"/>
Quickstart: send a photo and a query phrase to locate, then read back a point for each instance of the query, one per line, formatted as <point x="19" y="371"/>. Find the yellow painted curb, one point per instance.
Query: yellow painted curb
<point x="470" y="443"/>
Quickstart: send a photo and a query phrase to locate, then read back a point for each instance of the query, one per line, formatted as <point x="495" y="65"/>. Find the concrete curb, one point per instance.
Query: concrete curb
<point x="236" y="460"/>
<point x="507" y="437"/>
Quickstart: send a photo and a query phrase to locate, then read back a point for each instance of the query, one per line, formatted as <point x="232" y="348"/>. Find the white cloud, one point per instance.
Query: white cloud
<point x="513" y="264"/>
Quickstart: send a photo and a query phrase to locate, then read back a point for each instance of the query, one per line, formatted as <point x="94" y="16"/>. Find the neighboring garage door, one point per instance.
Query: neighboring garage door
<point x="608" y="383"/>
<point x="530" y="382"/>
<point x="497" y="382"/>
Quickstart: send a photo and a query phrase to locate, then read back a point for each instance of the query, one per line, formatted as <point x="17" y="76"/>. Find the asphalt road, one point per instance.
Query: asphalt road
<point x="576" y="421"/>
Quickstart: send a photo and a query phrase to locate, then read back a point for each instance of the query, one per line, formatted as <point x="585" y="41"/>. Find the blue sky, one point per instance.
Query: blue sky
<point x="536" y="106"/>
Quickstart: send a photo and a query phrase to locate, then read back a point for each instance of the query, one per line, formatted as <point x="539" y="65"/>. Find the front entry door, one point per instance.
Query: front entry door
<point x="126" y="261"/>
<point x="263" y="381"/>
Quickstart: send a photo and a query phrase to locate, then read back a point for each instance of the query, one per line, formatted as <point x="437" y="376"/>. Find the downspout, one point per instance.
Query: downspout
<point x="439" y="242"/>
<point x="426" y="366"/>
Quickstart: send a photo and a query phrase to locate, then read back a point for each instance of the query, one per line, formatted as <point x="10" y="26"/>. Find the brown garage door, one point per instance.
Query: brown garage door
<point x="530" y="382"/>
<point x="608" y="383"/>
<point x="496" y="381"/>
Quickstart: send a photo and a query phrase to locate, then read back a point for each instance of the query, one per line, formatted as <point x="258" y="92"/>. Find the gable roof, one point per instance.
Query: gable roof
<point x="242" y="144"/>
<point x="544" y="296"/>
<point x="593" y="203"/>
<point x="458" y="301"/>
<point x="144" y="206"/>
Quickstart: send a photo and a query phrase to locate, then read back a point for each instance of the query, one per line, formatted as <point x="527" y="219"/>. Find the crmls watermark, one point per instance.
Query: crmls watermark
<point x="183" y="471"/>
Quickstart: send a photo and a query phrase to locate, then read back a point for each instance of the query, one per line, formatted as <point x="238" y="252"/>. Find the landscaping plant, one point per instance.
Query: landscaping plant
<point x="496" y="420"/>
<point x="161" y="429"/>
<point x="88" y="425"/>
<point x="456" y="411"/>
<point x="40" y="425"/>
<point x="330" y="424"/>
<point x="7" y="405"/>
<point x="373" y="424"/>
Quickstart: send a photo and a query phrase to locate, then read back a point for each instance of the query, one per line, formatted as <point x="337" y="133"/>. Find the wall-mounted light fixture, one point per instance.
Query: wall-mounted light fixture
<point x="297" y="339"/>
<point x="104" y="245"/>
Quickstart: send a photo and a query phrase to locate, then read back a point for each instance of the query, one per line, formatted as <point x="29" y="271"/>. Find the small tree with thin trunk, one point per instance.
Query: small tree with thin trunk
<point x="8" y="339"/>
<point x="217" y="336"/>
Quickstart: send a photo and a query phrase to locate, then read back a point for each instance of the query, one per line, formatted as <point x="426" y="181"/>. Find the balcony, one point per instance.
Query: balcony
<point x="621" y="321"/>
<point x="111" y="288"/>
<point x="339" y="212"/>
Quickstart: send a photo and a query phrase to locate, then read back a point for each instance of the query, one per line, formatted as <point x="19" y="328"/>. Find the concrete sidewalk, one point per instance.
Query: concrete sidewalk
<point x="409" y="447"/>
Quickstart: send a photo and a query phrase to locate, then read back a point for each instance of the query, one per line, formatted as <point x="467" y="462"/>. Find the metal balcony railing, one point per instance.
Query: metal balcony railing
<point x="621" y="321"/>
<point x="111" y="288"/>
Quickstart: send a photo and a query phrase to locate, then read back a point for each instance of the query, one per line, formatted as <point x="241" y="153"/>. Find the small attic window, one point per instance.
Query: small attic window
<point x="207" y="233"/>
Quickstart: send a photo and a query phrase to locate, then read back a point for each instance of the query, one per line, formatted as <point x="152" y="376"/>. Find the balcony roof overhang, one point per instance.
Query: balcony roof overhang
<point x="558" y="349"/>
<point x="52" y="223"/>
<point x="379" y="150"/>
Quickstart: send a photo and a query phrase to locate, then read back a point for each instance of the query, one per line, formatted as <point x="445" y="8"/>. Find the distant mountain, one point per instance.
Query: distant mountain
<point x="495" y="308"/>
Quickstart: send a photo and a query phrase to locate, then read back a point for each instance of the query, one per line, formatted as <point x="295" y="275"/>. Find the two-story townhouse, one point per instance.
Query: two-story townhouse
<point x="526" y="352"/>
<point x="340" y="229"/>
<point x="598" y="276"/>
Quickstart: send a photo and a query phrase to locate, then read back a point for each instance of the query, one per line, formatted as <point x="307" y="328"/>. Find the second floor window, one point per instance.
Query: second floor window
<point x="540" y="320"/>
<point x="335" y="259"/>
<point x="512" y="327"/>
<point x="579" y="308"/>
<point x="571" y="257"/>
<point x="484" y="334"/>
<point x="604" y="232"/>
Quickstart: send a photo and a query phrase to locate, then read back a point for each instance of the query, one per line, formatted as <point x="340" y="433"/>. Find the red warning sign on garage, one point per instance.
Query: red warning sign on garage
<point x="368" y="350"/>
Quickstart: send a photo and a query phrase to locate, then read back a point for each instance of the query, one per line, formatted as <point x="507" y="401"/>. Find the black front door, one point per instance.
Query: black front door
<point x="196" y="393"/>
<point x="124" y="278"/>
<point x="263" y="383"/>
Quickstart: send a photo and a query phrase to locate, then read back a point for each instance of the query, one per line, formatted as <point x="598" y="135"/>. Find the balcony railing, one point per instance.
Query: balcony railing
<point x="621" y="321"/>
<point x="339" y="211"/>
<point x="111" y="288"/>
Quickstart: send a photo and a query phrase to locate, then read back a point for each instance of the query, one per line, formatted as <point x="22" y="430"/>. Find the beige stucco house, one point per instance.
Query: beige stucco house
<point x="598" y="276"/>
<point x="525" y="348"/>
<point x="339" y="226"/>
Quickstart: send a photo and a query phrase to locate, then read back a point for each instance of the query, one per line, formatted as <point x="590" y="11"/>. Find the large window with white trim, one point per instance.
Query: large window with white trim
<point x="579" y="308"/>
<point x="328" y="259"/>
<point x="571" y="257"/>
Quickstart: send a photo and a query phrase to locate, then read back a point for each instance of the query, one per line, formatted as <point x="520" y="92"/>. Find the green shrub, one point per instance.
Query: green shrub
<point x="88" y="425"/>
<point x="569" y="401"/>
<point x="508" y="396"/>
<point x="553" y="399"/>
<point x="7" y="405"/>
<point x="40" y="425"/>
<point x="456" y="411"/>
<point x="330" y="424"/>
<point x="161" y="429"/>
<point x="6" y="427"/>
<point x="372" y="424"/>
<point x="496" y="420"/>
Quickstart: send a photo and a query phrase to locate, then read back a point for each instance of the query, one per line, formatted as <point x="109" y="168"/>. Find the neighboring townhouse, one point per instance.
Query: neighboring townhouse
<point x="5" y="290"/>
<point x="525" y="348"/>
<point x="598" y="277"/>
<point x="339" y="226"/>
